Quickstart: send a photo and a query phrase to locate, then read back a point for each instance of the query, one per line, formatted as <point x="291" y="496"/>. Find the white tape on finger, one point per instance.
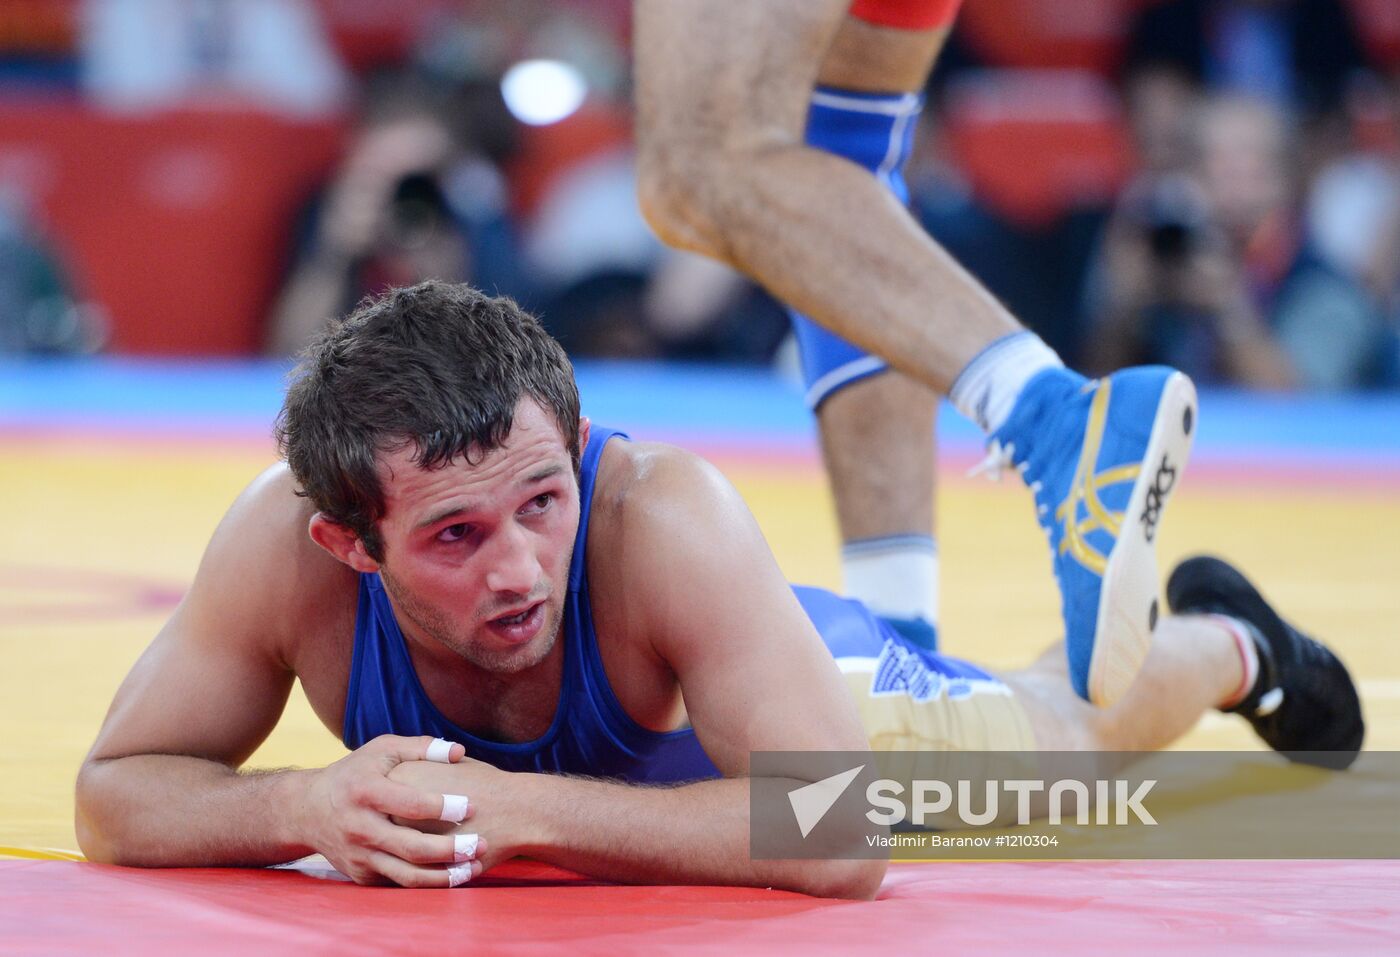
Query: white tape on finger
<point x="463" y="847"/>
<point x="440" y="750"/>
<point x="454" y="808"/>
<point x="459" y="875"/>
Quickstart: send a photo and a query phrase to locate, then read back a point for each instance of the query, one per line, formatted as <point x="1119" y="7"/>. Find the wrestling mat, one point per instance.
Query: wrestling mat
<point x="113" y="474"/>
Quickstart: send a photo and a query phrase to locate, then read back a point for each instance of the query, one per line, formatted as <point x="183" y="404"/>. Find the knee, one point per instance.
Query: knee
<point x="700" y="181"/>
<point x="705" y="188"/>
<point x="675" y="184"/>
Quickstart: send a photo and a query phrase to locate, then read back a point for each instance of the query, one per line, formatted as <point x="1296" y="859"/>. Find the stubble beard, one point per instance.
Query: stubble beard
<point x="441" y="628"/>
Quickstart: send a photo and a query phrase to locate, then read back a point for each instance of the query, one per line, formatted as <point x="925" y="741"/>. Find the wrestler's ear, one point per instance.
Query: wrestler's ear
<point x="583" y="425"/>
<point x="341" y="542"/>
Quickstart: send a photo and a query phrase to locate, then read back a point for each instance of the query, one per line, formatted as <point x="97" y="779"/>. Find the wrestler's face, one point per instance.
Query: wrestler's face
<point x="476" y="557"/>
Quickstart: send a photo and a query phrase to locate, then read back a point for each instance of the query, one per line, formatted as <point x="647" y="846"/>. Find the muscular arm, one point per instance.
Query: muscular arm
<point x="161" y="786"/>
<point x="754" y="674"/>
<point x="696" y="834"/>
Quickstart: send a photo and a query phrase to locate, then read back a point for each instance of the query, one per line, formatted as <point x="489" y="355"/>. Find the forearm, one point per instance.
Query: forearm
<point x="160" y="810"/>
<point x="695" y="834"/>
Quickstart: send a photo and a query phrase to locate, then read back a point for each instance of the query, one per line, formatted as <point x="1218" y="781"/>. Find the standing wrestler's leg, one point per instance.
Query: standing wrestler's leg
<point x="722" y="98"/>
<point x="877" y="443"/>
<point x="722" y="94"/>
<point x="876" y="425"/>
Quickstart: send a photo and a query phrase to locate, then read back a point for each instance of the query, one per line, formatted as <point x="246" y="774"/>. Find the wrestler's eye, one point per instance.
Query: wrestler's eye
<point x="454" y="533"/>
<point x="540" y="502"/>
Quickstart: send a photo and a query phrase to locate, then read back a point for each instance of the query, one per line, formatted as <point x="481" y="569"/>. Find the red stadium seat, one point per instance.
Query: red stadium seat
<point x="1036" y="144"/>
<point x="372" y="33"/>
<point x="1081" y="34"/>
<point x="176" y="223"/>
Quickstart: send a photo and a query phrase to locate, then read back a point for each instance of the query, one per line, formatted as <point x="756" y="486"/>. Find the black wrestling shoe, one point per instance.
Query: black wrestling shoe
<point x="1304" y="703"/>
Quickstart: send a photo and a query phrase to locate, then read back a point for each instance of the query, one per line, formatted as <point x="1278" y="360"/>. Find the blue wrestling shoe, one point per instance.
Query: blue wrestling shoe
<point x="1102" y="458"/>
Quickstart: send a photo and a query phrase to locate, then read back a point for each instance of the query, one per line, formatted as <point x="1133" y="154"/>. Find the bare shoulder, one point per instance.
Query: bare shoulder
<point x="692" y="581"/>
<point x="262" y="574"/>
<point x="664" y="530"/>
<point x="663" y="520"/>
<point x="644" y="483"/>
<point x="216" y="677"/>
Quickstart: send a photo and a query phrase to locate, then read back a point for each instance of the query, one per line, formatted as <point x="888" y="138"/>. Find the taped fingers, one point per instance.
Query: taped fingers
<point x="455" y="808"/>
<point x="419" y="748"/>
<point x="442" y="751"/>
<point x="402" y="801"/>
<point x="462" y="873"/>
<point x="465" y="847"/>
<point x="413" y="875"/>
<point x="417" y="847"/>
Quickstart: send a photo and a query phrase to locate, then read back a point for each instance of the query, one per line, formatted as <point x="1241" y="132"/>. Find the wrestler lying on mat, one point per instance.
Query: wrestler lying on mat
<point x="452" y="552"/>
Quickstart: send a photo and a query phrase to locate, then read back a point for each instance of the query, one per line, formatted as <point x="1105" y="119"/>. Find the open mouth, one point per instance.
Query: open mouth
<point x="515" y="619"/>
<point x="521" y="626"/>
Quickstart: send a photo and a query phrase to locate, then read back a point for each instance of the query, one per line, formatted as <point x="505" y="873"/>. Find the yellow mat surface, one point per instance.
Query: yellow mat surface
<point x="97" y="537"/>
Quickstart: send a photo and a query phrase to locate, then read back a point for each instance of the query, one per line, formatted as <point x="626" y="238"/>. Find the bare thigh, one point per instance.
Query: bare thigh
<point x="746" y="70"/>
<point x="733" y="74"/>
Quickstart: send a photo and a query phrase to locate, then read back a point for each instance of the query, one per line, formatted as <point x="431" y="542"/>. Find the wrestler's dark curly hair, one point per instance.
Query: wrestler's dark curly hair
<point x="440" y="366"/>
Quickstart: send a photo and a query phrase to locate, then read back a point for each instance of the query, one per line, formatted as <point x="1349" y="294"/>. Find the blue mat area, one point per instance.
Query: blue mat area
<point x="711" y="404"/>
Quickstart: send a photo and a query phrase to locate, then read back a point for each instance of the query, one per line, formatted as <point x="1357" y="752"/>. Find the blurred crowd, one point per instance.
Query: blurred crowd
<point x="1211" y="184"/>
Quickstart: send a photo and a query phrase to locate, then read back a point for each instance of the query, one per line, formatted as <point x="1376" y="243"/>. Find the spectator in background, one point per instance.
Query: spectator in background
<point x="416" y="198"/>
<point x="1325" y="323"/>
<point x="1353" y="217"/>
<point x="1301" y="56"/>
<point x="1212" y="271"/>
<point x="1160" y="103"/>
<point x="1169" y="289"/>
<point x="1354" y="222"/>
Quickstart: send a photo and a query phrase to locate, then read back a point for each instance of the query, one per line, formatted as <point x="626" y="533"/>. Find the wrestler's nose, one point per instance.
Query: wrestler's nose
<point x="514" y="566"/>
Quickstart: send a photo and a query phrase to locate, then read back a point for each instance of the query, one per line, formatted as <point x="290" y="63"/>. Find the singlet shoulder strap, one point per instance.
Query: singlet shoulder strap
<point x="587" y="479"/>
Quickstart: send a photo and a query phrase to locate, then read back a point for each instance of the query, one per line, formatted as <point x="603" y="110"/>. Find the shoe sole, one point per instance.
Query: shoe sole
<point x="1128" y="602"/>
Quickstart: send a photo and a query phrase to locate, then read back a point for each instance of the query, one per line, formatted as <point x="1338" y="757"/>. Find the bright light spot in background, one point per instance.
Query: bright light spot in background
<point x="540" y="92"/>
